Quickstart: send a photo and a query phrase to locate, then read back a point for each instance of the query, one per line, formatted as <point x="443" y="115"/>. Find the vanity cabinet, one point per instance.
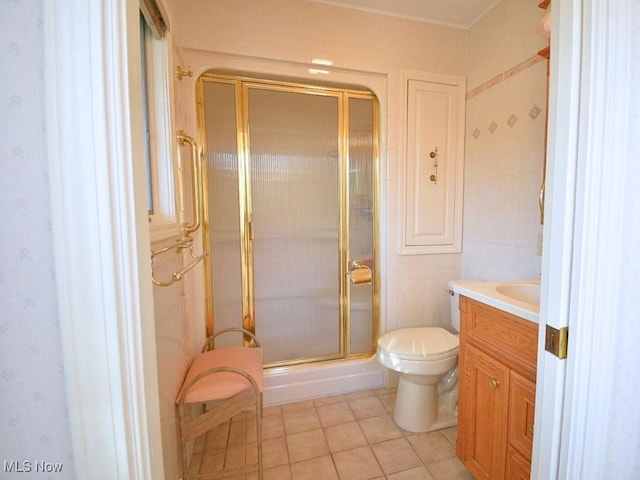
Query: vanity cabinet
<point x="496" y="403"/>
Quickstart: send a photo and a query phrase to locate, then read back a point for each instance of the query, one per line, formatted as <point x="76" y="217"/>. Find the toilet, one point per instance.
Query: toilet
<point x="427" y="360"/>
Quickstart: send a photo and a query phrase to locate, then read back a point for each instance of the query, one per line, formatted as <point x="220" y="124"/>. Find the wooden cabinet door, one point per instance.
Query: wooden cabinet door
<point x="518" y="467"/>
<point x="522" y="405"/>
<point x="483" y="421"/>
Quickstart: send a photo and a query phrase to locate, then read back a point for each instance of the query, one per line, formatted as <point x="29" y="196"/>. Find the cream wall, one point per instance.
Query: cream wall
<point x="288" y="34"/>
<point x="504" y="149"/>
<point x="34" y="424"/>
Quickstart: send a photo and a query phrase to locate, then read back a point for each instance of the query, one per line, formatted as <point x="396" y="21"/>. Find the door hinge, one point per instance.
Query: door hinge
<point x="557" y="341"/>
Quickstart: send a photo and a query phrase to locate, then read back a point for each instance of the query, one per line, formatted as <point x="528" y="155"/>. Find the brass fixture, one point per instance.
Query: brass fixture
<point x="196" y="179"/>
<point x="557" y="341"/>
<point x="183" y="73"/>
<point x="434" y="176"/>
<point x="185" y="241"/>
<point x="360" y="273"/>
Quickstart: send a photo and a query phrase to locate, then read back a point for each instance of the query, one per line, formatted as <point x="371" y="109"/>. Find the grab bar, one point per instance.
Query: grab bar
<point x="177" y="276"/>
<point x="186" y="241"/>
<point x="196" y="179"/>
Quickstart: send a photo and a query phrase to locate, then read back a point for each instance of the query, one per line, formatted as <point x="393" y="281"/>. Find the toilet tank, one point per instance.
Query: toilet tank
<point x="455" y="300"/>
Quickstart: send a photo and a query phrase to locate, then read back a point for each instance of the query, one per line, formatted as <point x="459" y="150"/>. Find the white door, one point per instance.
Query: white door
<point x="585" y="404"/>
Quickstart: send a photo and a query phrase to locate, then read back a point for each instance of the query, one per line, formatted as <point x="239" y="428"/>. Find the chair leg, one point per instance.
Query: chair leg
<point x="259" y="432"/>
<point x="183" y="443"/>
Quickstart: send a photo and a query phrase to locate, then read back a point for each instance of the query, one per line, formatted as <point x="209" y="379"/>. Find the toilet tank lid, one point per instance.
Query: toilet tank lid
<point x="419" y="343"/>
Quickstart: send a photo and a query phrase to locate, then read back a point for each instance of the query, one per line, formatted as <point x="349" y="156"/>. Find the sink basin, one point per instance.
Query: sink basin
<point x="518" y="297"/>
<point x="527" y="292"/>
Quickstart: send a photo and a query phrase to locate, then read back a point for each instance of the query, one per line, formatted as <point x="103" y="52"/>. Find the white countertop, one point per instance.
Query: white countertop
<point x="486" y="293"/>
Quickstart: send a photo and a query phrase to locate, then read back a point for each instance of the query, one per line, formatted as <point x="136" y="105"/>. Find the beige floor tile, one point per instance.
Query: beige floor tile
<point x="451" y="434"/>
<point x="359" y="394"/>
<point x="217" y="437"/>
<point x="318" y="402"/>
<point x="272" y="426"/>
<point x="274" y="452"/>
<point x="451" y="469"/>
<point x="388" y="400"/>
<point x="335" y="414"/>
<point x="396" y="455"/>
<point x="418" y="473"/>
<point x="320" y="468"/>
<point x="357" y="464"/>
<point x="300" y="420"/>
<point x="305" y="445"/>
<point x="296" y="406"/>
<point x="212" y="461"/>
<point x="344" y="436"/>
<point x="347" y="437"/>
<point x="273" y="410"/>
<point x="281" y="472"/>
<point x="379" y="429"/>
<point x="237" y="433"/>
<point x="367" y="407"/>
<point x="432" y="446"/>
<point x="194" y="464"/>
<point x="384" y="391"/>
<point x="235" y="457"/>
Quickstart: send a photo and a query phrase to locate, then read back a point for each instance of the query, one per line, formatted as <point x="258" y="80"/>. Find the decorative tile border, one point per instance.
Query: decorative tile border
<point x="521" y="67"/>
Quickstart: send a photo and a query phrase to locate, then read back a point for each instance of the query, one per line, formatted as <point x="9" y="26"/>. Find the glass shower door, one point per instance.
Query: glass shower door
<point x="362" y="229"/>
<point x="290" y="181"/>
<point x="294" y="169"/>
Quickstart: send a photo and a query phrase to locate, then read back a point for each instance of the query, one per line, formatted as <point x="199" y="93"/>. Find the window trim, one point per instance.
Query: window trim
<point x="163" y="222"/>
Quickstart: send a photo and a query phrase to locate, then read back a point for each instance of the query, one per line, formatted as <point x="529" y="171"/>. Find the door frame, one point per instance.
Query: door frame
<point x="101" y="237"/>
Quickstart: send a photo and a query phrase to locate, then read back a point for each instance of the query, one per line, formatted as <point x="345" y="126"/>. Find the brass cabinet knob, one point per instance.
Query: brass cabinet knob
<point x="494" y="383"/>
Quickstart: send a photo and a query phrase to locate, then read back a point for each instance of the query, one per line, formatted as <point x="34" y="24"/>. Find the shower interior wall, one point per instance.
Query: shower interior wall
<point x="283" y="37"/>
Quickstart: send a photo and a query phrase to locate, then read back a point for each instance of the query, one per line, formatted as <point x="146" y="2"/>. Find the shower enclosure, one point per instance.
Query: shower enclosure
<point x="290" y="182"/>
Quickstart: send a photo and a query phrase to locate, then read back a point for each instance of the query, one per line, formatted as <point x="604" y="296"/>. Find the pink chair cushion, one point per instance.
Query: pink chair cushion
<point x="222" y="384"/>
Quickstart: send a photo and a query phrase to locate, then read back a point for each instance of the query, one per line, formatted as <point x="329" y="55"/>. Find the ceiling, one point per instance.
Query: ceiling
<point x="452" y="13"/>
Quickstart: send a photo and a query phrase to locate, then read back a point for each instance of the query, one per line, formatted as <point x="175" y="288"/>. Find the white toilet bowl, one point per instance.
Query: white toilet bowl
<point x="426" y="359"/>
<point x="422" y="356"/>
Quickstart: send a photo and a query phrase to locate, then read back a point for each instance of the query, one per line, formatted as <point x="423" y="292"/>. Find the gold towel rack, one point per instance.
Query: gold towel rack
<point x="186" y="240"/>
<point x="181" y="244"/>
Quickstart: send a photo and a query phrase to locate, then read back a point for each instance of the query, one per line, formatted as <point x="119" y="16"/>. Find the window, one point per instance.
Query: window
<point x="158" y="138"/>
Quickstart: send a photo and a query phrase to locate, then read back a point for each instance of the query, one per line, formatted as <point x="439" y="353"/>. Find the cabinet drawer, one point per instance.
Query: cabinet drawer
<point x="513" y="339"/>
<point x="522" y="394"/>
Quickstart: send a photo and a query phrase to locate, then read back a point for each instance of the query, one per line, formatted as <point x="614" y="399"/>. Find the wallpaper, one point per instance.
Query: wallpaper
<point x="34" y="433"/>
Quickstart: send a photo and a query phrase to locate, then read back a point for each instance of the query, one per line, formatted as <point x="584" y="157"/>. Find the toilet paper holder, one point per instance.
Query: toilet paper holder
<point x="360" y="273"/>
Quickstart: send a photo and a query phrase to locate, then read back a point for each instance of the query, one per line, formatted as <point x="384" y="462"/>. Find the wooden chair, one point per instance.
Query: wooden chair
<point x="225" y="382"/>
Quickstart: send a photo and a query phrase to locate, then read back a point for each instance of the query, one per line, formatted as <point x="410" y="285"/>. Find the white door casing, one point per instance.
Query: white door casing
<point x="101" y="237"/>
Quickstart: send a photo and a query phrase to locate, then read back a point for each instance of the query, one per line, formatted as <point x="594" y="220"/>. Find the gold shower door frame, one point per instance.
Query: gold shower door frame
<point x="242" y="86"/>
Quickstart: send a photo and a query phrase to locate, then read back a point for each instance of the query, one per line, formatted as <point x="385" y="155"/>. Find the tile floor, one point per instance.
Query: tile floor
<point x="343" y="437"/>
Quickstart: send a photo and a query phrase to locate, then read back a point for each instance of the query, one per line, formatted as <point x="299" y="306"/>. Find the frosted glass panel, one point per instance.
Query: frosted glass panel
<point x="361" y="210"/>
<point x="293" y="142"/>
<point x="223" y="208"/>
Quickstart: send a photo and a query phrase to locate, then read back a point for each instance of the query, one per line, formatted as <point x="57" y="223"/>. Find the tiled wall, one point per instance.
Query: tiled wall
<point x="504" y="149"/>
<point x="294" y="31"/>
<point x="33" y="405"/>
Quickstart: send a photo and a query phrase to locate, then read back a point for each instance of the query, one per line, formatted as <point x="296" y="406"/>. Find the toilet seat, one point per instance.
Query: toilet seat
<point x="419" y="344"/>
